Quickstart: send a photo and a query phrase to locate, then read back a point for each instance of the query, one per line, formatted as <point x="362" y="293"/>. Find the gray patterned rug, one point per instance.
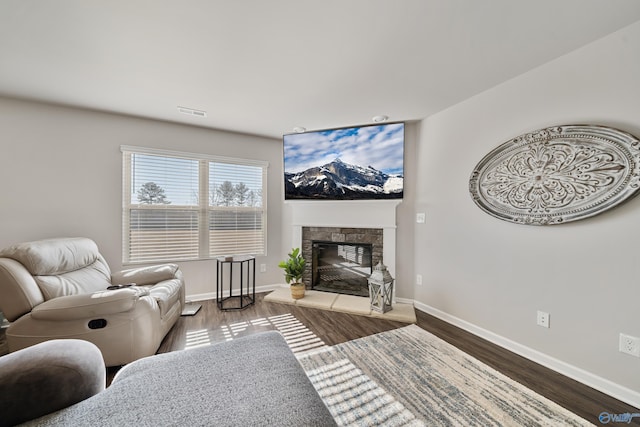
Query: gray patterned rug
<point x="409" y="377"/>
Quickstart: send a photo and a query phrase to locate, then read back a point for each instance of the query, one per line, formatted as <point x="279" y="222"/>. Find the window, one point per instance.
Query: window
<point x="183" y="206"/>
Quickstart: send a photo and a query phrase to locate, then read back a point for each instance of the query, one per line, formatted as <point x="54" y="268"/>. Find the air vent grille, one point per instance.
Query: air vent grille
<point x="192" y="112"/>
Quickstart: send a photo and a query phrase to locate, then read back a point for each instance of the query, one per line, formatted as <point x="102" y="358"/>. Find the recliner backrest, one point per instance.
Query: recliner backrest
<point x="64" y="266"/>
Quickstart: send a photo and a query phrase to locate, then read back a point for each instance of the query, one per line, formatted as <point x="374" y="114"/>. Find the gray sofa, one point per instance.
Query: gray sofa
<point x="250" y="381"/>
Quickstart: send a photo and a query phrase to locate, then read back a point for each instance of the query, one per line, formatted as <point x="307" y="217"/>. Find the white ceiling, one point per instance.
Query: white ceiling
<point x="266" y="66"/>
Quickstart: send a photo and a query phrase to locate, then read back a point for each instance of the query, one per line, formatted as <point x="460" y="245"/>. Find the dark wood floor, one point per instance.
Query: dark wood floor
<point x="213" y="325"/>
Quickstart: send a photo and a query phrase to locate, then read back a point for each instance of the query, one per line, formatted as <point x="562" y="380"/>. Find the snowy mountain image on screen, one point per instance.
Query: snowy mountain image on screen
<point x="339" y="180"/>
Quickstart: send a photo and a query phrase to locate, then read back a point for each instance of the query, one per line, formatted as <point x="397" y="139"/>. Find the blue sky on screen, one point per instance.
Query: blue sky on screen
<point x="379" y="146"/>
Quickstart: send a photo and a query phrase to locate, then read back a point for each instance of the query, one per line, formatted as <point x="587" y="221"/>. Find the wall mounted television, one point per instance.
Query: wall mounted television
<point x="352" y="163"/>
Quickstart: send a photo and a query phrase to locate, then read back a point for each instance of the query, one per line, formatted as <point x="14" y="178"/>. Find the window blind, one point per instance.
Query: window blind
<point x="184" y="206"/>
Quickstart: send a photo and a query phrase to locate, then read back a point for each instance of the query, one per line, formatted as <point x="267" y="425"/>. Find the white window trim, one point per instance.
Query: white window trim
<point x="202" y="209"/>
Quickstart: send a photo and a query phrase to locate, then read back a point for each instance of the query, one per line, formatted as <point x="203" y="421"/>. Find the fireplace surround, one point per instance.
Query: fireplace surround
<point x="337" y="221"/>
<point x="349" y="238"/>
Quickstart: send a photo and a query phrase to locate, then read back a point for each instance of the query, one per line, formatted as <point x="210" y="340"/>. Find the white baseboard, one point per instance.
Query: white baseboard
<point x="617" y="391"/>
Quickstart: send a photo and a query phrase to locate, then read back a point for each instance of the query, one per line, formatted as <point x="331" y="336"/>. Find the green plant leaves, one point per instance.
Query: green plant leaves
<point x="294" y="266"/>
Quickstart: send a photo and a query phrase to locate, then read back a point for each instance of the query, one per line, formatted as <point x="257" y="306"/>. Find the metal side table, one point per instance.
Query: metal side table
<point x="240" y="270"/>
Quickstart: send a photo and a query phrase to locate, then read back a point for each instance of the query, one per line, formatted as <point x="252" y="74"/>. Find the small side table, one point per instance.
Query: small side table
<point x="244" y="267"/>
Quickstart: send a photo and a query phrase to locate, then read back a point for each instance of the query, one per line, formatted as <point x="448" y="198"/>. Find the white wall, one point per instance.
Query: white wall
<point x="61" y="175"/>
<point x="492" y="275"/>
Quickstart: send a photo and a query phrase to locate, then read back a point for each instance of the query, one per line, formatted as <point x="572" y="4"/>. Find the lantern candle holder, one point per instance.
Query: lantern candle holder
<point x="380" y="289"/>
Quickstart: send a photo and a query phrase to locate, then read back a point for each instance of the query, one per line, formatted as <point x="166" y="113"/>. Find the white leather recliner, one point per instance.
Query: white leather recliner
<point x="57" y="288"/>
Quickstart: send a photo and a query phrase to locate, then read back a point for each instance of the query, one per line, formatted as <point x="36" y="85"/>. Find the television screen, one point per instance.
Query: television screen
<point x="354" y="163"/>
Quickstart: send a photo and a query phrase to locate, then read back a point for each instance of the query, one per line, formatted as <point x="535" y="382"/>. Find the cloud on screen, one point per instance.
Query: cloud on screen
<point x="379" y="146"/>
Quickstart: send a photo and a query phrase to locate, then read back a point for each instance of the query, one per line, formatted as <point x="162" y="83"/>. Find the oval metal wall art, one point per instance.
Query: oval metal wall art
<point x="557" y="175"/>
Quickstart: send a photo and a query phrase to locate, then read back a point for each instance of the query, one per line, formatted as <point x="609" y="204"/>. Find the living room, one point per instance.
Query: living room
<point x="61" y="166"/>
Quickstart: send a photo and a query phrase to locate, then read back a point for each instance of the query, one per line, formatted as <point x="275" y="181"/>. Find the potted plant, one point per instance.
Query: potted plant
<point x="293" y="269"/>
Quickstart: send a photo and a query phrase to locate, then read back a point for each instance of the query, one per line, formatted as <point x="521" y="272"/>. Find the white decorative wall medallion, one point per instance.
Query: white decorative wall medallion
<point x="557" y="175"/>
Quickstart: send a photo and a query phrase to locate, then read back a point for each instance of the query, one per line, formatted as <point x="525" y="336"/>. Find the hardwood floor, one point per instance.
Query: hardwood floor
<point x="211" y="325"/>
<point x="332" y="327"/>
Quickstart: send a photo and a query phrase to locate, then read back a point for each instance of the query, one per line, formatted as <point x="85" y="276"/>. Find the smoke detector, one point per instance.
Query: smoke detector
<point x="380" y="119"/>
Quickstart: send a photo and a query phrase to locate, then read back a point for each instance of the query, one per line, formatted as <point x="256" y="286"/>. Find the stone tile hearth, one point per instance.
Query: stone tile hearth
<point x="343" y="303"/>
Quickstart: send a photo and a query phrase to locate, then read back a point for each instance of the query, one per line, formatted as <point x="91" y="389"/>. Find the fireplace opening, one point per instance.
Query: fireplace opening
<point x="341" y="267"/>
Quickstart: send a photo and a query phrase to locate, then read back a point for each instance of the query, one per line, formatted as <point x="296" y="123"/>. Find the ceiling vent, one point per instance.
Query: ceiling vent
<point x="192" y="112"/>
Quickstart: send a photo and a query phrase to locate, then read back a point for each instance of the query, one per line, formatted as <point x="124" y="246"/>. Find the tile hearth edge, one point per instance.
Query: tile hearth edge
<point x="343" y="303"/>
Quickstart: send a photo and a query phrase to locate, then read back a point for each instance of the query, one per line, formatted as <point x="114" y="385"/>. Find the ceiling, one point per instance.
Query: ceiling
<point x="266" y="66"/>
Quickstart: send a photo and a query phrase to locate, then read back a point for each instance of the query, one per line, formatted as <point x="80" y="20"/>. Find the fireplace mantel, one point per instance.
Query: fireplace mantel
<point x="349" y="214"/>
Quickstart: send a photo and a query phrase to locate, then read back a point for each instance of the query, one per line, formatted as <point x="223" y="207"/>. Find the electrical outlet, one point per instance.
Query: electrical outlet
<point x="629" y="345"/>
<point x="543" y="319"/>
<point x="421" y="218"/>
<point x="419" y="279"/>
<point x="263" y="268"/>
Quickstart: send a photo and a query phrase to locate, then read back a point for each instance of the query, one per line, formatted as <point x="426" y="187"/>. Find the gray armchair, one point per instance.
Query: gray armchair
<point x="48" y="377"/>
<point x="58" y="288"/>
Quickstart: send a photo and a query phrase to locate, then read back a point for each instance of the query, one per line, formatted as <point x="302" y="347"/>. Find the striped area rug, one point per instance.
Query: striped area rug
<point x="409" y="377"/>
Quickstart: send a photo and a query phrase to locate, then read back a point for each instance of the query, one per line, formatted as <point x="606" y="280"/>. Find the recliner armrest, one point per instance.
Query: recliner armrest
<point x="145" y="275"/>
<point x="86" y="306"/>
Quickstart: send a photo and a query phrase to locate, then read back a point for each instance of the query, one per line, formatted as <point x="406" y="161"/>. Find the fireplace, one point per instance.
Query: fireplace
<point x="341" y="267"/>
<point x="370" y="222"/>
<point x="348" y="252"/>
